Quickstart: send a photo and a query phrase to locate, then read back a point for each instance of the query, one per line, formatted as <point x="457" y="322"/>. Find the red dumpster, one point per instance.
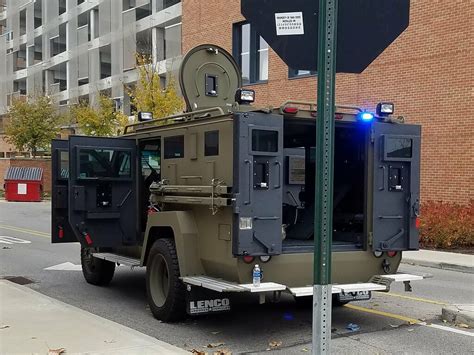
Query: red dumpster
<point x="24" y="184"/>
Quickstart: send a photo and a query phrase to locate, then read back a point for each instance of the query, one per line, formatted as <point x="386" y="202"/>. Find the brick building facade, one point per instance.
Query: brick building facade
<point x="428" y="72"/>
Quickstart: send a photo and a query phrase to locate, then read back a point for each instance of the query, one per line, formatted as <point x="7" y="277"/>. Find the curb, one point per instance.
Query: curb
<point x="459" y="314"/>
<point x="440" y="265"/>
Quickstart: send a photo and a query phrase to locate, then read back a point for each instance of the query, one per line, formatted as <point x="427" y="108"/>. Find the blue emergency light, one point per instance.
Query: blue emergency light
<point x="365" y="116"/>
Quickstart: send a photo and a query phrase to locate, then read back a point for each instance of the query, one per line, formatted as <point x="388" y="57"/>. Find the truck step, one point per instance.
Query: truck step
<point x="340" y="288"/>
<point x="119" y="259"/>
<point x="226" y="286"/>
<point x="377" y="283"/>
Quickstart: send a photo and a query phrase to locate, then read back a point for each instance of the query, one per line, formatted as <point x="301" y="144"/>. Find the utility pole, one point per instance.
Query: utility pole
<point x="322" y="289"/>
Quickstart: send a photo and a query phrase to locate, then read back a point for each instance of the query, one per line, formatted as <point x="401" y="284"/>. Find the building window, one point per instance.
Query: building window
<point x="296" y="73"/>
<point x="251" y="52"/>
<point x="211" y="143"/>
<point x="174" y="147"/>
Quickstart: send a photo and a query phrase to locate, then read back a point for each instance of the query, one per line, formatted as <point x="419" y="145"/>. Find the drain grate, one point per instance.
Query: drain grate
<point x="20" y="280"/>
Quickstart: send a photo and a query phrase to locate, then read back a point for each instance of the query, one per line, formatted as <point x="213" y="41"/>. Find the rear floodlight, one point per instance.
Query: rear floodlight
<point x="385" y="109"/>
<point x="245" y="96"/>
<point x="365" y="116"/>
<point x="145" y="116"/>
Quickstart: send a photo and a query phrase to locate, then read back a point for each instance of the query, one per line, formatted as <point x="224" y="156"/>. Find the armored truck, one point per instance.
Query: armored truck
<point x="201" y="197"/>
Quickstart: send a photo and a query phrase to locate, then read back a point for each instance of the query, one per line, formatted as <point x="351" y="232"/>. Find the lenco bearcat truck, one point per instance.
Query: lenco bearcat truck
<point x="200" y="197"/>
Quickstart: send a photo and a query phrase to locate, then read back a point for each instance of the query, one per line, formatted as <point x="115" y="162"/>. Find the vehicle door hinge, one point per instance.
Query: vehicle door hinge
<point x="372" y="136"/>
<point x="370" y="239"/>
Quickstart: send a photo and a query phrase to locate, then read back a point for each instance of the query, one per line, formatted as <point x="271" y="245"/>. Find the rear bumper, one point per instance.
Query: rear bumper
<point x="376" y="283"/>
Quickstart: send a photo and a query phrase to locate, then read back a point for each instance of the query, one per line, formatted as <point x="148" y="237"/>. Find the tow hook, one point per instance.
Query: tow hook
<point x="386" y="266"/>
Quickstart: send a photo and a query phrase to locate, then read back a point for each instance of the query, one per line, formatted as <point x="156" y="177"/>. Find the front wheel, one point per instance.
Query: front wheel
<point x="165" y="290"/>
<point x="97" y="272"/>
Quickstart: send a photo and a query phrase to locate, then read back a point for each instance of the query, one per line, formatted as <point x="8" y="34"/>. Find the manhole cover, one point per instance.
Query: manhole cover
<point x="20" y="280"/>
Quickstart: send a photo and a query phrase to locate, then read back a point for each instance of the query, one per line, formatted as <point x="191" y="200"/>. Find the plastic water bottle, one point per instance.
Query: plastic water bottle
<point x="257" y="275"/>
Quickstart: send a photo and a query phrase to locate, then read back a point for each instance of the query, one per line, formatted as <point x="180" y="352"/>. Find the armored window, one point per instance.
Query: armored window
<point x="211" y="143"/>
<point x="150" y="155"/>
<point x="297" y="73"/>
<point x="174" y="147"/>
<point x="398" y="147"/>
<point x="251" y="53"/>
<point x="63" y="164"/>
<point x="264" y="140"/>
<point x="104" y="163"/>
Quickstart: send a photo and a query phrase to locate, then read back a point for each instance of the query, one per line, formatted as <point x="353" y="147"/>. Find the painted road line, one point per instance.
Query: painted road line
<point x="418" y="299"/>
<point x="12" y="240"/>
<point x="449" y="329"/>
<point x="384" y="314"/>
<point x="67" y="266"/>
<point x="24" y="230"/>
<point x="409" y="320"/>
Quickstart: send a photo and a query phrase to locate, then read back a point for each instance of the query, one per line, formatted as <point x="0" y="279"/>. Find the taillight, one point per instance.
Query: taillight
<point x="290" y="109"/>
<point x="61" y="232"/>
<point x="417" y="223"/>
<point x="248" y="259"/>
<point x="391" y="253"/>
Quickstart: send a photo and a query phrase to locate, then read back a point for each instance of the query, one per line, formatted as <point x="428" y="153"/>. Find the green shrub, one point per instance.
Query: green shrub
<point x="447" y="225"/>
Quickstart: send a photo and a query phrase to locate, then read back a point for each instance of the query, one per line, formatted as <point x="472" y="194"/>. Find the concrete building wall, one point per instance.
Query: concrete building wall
<point x="72" y="49"/>
<point x="428" y="72"/>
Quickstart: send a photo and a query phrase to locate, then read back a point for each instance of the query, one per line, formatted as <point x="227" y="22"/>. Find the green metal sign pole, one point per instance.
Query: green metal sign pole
<point x="322" y="290"/>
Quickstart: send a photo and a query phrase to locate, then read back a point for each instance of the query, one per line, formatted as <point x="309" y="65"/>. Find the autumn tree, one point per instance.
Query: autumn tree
<point x="148" y="95"/>
<point x="102" y="120"/>
<point x="32" y="124"/>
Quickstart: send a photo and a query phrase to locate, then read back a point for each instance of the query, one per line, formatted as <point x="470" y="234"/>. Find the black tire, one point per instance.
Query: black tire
<point x="165" y="291"/>
<point x="97" y="272"/>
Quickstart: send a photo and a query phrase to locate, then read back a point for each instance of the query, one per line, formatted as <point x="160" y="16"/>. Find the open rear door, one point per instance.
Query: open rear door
<point x="396" y="186"/>
<point x="258" y="180"/>
<point x="102" y="190"/>
<point x="61" y="231"/>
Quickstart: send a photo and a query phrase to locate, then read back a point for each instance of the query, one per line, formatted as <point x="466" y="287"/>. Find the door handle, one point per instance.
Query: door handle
<point x="387" y="243"/>
<point x="277" y="163"/>
<point x="383" y="167"/>
<point x="249" y="201"/>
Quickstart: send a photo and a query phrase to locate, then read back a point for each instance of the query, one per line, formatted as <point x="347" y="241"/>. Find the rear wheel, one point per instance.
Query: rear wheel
<point x="165" y="290"/>
<point x="97" y="272"/>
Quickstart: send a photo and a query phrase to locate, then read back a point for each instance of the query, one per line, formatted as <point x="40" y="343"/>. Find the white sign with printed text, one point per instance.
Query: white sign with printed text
<point x="289" y="23"/>
<point x="21" y="189"/>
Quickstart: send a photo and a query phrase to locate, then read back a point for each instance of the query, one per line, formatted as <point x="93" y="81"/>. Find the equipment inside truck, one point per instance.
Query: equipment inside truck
<point x="350" y="165"/>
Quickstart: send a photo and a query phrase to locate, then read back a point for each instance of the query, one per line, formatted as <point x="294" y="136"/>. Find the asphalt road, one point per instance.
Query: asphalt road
<point x="384" y="320"/>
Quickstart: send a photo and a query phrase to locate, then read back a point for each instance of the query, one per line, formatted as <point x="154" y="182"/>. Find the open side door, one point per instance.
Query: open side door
<point x="61" y="231"/>
<point x="396" y="186"/>
<point x="258" y="181"/>
<point x="102" y="191"/>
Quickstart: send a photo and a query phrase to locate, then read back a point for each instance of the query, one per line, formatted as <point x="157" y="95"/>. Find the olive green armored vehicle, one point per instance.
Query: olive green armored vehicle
<point x="200" y="198"/>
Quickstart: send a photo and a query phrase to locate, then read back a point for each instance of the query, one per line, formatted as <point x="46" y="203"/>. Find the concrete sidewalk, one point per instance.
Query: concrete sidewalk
<point x="34" y="323"/>
<point x="440" y="260"/>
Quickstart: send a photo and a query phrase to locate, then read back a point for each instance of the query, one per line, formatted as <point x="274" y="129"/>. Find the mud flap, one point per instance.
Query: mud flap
<point x="200" y="301"/>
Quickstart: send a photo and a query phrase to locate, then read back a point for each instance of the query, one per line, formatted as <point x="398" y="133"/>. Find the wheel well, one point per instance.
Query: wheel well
<point x="155" y="234"/>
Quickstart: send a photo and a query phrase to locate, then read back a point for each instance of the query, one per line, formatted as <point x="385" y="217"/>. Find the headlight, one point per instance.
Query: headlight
<point x="145" y="116"/>
<point x="245" y="96"/>
<point x="385" y="109"/>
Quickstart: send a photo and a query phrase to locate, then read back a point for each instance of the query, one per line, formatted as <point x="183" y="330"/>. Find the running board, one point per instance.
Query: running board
<point x="119" y="259"/>
<point x="339" y="288"/>
<point x="376" y="283"/>
<point x="220" y="285"/>
<point x="387" y="280"/>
